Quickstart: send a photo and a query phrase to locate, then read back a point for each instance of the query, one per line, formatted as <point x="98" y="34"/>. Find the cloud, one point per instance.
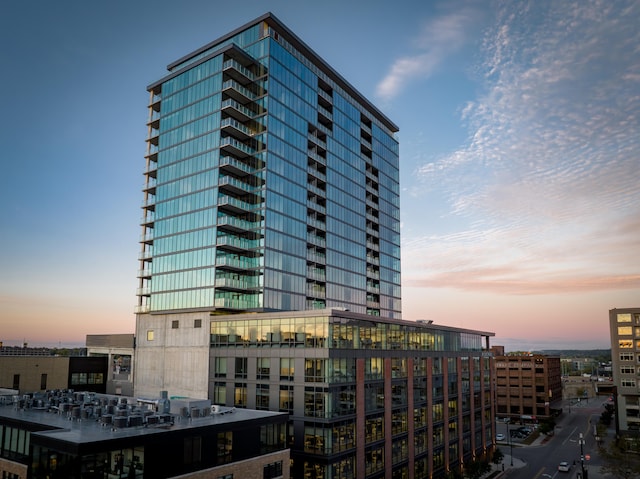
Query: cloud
<point x="548" y="179"/>
<point x="438" y="38"/>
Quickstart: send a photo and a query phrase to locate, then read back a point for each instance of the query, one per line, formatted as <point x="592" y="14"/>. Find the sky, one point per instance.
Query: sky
<point x="519" y="151"/>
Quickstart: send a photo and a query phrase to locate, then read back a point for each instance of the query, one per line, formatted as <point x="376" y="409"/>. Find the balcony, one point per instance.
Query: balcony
<point x="316" y="190"/>
<point x="236" y="284"/>
<point x="235" y="243"/>
<point x="145" y="255"/>
<point x="373" y="274"/>
<point x="316" y="207"/>
<point x="242" y="303"/>
<point x="144" y="273"/>
<point x="325" y="95"/>
<point x="325" y="113"/>
<point x="316" y="240"/>
<point x="238" y="72"/>
<point x="236" y="263"/>
<point x="317" y="224"/>
<point x="234" y="205"/>
<point x="236" y="129"/>
<point x="315" y="139"/>
<point x="315" y="257"/>
<point x="235" y="167"/>
<point x="316" y="291"/>
<point x="147" y="237"/>
<point x="237" y="110"/>
<point x="147" y="220"/>
<point x="235" y="90"/>
<point x="316" y="173"/>
<point x="316" y="157"/>
<point x="236" y="148"/>
<point x="372" y="288"/>
<point x="235" y="186"/>
<point x="142" y="308"/>
<point x="375" y="260"/>
<point x="231" y="223"/>
<point x="316" y="274"/>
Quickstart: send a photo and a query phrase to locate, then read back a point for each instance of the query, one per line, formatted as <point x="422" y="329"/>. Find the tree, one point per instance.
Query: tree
<point x="547" y="427"/>
<point x="618" y="462"/>
<point x="498" y="456"/>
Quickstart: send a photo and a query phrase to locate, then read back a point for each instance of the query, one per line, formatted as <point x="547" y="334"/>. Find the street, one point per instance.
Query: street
<point x="542" y="457"/>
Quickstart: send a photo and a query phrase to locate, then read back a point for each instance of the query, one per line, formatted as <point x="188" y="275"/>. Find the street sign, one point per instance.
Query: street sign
<point x="587" y="457"/>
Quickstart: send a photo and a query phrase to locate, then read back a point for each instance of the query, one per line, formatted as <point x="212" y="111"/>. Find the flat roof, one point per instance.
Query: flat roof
<point x="52" y="425"/>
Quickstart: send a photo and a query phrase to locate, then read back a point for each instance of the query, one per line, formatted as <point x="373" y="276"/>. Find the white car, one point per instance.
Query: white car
<point x="499" y="437"/>
<point x="564" y="467"/>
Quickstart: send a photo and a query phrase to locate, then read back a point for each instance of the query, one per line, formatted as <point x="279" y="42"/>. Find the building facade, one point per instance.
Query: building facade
<point x="624" y="325"/>
<point x="39" y="373"/>
<point x="271" y="184"/>
<point x="367" y="397"/>
<point x="118" y="349"/>
<point x="528" y="387"/>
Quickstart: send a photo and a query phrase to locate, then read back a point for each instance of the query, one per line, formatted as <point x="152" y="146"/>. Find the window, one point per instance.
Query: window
<point x="626" y="356"/>
<point x="16" y="381"/>
<point x="262" y="397"/>
<point x="286" y="369"/>
<point x="628" y="383"/>
<point x="285" y="402"/>
<point x="263" y="368"/>
<point x="43" y="381"/>
<point x="625" y="330"/>
<point x="627" y="370"/>
<point x="220" y="393"/>
<point x="150" y="335"/>
<point x="225" y="447"/>
<point x="272" y="470"/>
<point x="220" y="367"/>
<point x="241" y="368"/>
<point x="174" y="324"/>
<point x="625" y="344"/>
<point x="197" y="323"/>
<point x="240" y="395"/>
<point x="192" y="450"/>
<point x="624" y="317"/>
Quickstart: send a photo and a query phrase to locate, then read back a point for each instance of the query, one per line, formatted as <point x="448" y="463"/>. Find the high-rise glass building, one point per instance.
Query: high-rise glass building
<point x="270" y="267"/>
<point x="271" y="184"/>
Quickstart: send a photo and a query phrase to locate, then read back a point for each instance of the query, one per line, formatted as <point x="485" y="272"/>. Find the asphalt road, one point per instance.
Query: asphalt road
<point x="540" y="460"/>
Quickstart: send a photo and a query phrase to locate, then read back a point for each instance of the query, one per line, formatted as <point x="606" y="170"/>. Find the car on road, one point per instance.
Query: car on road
<point x="564" y="467"/>
<point x="499" y="437"/>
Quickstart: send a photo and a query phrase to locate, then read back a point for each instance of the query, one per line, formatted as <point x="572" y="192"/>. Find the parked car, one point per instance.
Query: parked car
<point x="499" y="437"/>
<point x="564" y="467"/>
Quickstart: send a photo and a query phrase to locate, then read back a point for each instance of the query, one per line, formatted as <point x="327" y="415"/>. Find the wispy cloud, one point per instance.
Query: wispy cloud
<point x="438" y="38"/>
<point x="549" y="180"/>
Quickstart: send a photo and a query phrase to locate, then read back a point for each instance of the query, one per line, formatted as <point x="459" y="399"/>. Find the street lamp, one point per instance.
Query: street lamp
<point x="507" y="421"/>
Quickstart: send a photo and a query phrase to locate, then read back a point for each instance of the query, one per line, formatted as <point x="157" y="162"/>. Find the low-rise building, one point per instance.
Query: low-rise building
<point x="39" y="373"/>
<point x="78" y="435"/>
<point x="366" y="397"/>
<point x="528" y="387"/>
